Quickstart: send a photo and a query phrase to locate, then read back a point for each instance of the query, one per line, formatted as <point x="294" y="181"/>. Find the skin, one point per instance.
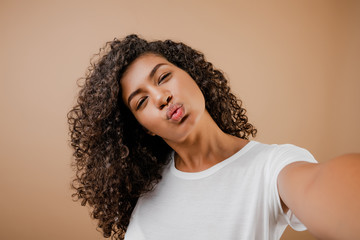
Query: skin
<point x="197" y="140"/>
<point x="325" y="196"/>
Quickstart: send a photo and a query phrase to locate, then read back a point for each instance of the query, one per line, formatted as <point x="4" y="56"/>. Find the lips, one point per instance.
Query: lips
<point x="175" y="112"/>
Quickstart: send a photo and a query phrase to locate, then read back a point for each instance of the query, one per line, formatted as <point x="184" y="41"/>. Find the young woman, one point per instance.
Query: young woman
<point x="162" y="151"/>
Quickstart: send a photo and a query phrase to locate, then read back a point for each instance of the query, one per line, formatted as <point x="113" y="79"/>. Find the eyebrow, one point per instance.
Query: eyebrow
<point x="151" y="75"/>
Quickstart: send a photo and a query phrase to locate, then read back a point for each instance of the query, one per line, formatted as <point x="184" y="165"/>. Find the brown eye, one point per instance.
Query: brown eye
<point x="140" y="103"/>
<point x="164" y="77"/>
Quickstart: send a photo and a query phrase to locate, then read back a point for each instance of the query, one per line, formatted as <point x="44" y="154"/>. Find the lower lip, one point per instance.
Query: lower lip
<point x="178" y="114"/>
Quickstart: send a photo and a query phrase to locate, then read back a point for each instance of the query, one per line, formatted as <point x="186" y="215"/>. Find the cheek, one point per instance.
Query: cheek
<point x="187" y="87"/>
<point x="147" y="119"/>
<point x="194" y="93"/>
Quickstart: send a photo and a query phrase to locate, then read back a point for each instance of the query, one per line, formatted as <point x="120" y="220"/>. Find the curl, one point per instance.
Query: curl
<point x="115" y="160"/>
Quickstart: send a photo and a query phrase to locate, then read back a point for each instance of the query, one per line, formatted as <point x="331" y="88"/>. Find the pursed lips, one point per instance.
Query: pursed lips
<point x="172" y="109"/>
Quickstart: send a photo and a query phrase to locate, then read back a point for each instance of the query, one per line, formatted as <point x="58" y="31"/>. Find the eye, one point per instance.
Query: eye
<point x="163" y="77"/>
<point x="140" y="102"/>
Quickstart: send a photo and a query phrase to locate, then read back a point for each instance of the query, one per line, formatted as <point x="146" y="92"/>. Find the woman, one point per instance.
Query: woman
<point x="162" y="152"/>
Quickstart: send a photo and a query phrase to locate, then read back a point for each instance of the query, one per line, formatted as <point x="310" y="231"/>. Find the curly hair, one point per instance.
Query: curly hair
<point x="115" y="160"/>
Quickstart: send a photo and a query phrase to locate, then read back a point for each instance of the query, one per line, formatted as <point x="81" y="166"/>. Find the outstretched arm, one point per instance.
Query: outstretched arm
<point x="324" y="196"/>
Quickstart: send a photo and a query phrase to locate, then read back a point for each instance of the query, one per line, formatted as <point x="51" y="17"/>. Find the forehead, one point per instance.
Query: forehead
<point x="142" y="66"/>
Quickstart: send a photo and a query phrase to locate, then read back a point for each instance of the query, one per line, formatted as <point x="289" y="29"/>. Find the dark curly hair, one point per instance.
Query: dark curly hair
<point x="115" y="160"/>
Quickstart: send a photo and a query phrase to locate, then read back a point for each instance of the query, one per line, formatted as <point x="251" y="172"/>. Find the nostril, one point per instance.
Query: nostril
<point x="167" y="101"/>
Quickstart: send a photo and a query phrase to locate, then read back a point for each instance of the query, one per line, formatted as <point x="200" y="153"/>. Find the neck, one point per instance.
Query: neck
<point x="206" y="146"/>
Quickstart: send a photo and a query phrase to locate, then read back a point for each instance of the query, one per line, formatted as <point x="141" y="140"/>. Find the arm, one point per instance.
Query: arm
<point x="325" y="196"/>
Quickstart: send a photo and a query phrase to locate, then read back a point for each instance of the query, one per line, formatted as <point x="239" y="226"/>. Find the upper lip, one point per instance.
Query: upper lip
<point x="172" y="109"/>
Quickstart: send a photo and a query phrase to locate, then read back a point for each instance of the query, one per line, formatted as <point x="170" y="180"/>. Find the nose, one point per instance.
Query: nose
<point x="163" y="98"/>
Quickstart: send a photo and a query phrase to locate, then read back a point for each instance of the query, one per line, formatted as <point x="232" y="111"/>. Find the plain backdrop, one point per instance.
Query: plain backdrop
<point x="295" y="65"/>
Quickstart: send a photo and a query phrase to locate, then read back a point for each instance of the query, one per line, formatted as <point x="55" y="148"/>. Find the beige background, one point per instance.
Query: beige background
<point x="295" y="64"/>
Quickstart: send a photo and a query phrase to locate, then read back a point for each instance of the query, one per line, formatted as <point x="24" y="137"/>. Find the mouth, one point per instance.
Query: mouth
<point x="175" y="112"/>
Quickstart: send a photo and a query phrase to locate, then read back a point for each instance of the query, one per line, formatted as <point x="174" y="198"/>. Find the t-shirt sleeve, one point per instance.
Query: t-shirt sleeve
<point x="281" y="157"/>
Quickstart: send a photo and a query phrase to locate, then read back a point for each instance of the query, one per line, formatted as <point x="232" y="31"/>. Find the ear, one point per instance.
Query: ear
<point x="149" y="132"/>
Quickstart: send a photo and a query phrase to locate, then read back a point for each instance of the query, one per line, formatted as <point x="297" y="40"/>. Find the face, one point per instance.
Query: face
<point x="164" y="99"/>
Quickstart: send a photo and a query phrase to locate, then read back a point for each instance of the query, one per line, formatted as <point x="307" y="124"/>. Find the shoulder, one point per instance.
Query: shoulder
<point x="278" y="149"/>
<point x="280" y="155"/>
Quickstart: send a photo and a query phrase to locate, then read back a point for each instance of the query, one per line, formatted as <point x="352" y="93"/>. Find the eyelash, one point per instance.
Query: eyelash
<point x="141" y="101"/>
<point x="163" y="77"/>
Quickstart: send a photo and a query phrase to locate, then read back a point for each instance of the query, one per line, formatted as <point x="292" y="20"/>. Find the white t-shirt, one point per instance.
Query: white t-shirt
<point x="234" y="199"/>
